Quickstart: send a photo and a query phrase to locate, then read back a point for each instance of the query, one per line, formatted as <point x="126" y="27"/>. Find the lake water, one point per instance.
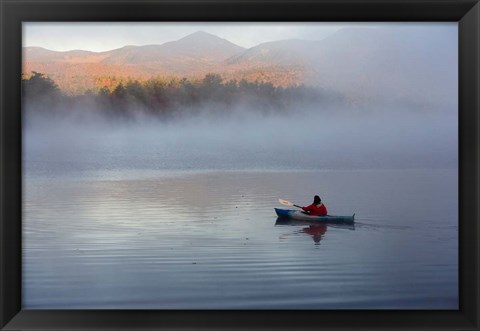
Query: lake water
<point x="209" y="239"/>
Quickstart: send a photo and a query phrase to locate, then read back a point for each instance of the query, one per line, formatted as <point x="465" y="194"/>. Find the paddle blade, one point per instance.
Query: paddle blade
<point x="285" y="202"/>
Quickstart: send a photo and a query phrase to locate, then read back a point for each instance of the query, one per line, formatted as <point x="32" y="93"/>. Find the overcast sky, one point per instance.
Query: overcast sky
<point x="108" y="36"/>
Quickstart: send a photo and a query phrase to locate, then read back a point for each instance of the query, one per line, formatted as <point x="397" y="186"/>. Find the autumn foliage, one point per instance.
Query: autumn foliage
<point x="167" y="97"/>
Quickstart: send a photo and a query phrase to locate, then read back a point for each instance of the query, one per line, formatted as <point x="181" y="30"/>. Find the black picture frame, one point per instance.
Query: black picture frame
<point x="14" y="12"/>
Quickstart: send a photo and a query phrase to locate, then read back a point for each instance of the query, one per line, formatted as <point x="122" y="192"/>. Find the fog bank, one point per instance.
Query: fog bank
<point x="246" y="140"/>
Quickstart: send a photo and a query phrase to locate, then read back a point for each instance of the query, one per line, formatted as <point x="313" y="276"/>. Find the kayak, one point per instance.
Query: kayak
<point x="298" y="215"/>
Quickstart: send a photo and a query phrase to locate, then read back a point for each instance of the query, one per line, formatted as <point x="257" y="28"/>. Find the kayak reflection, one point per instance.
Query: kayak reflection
<point x="316" y="232"/>
<point x="313" y="229"/>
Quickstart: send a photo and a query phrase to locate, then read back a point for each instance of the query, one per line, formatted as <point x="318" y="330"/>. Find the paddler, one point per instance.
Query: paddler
<point x="317" y="208"/>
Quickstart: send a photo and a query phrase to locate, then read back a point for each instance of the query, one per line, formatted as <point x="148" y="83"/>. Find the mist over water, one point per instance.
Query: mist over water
<point x="300" y="139"/>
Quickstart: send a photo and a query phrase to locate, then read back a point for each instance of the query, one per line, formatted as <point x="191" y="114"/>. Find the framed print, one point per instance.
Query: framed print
<point x="226" y="165"/>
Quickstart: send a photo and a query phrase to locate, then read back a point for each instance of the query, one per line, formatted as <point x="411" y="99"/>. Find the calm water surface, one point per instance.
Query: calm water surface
<point x="163" y="239"/>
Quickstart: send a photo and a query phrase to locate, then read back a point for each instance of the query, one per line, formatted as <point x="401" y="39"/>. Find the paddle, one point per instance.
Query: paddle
<point x="288" y="203"/>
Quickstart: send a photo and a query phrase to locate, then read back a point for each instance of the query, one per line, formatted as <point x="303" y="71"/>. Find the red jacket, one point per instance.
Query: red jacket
<point x="316" y="210"/>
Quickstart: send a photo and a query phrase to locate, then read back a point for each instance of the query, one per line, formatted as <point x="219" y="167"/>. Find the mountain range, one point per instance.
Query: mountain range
<point x="418" y="64"/>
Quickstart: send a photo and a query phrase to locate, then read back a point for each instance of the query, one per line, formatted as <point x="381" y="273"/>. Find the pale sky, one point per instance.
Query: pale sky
<point x="64" y="36"/>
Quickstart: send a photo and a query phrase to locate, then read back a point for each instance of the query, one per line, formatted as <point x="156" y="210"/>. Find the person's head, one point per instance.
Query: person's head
<point x="317" y="200"/>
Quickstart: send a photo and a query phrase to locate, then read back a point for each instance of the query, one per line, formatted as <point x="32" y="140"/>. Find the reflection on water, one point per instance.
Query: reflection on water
<point x="209" y="240"/>
<point x="313" y="229"/>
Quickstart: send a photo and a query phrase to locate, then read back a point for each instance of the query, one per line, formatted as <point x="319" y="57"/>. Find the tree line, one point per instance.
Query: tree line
<point x="170" y="97"/>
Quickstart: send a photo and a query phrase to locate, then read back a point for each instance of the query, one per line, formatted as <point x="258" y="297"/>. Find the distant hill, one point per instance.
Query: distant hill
<point x="199" y="47"/>
<point x="74" y="71"/>
<point x="413" y="64"/>
<point x="409" y="63"/>
<point x="283" y="52"/>
<point x="42" y="55"/>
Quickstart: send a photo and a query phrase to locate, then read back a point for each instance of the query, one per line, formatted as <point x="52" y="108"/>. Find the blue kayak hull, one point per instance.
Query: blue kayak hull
<point x="298" y="215"/>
